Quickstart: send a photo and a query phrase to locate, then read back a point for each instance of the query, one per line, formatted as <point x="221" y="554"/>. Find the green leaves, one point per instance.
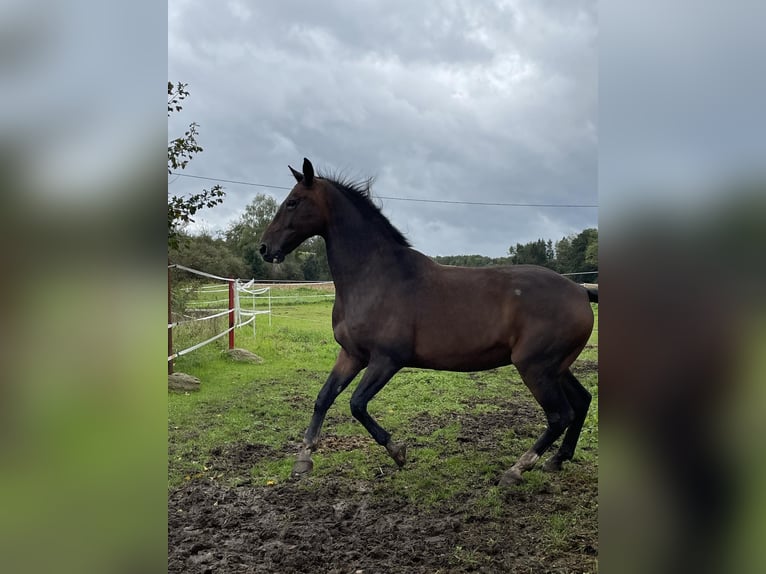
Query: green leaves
<point x="180" y="152"/>
<point x="181" y="209"/>
<point x="576" y="253"/>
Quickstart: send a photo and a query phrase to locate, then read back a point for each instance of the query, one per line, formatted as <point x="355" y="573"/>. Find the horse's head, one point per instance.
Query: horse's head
<point x="301" y="215"/>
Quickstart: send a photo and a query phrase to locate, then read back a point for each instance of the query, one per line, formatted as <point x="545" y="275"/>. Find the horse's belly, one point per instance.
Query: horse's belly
<point x="466" y="359"/>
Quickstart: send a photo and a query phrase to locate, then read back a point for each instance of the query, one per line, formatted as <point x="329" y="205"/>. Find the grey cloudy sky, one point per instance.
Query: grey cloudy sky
<point x="460" y="101"/>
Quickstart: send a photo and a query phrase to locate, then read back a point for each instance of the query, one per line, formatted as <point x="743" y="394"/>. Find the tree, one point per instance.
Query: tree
<point x="578" y="253"/>
<point x="591" y="254"/>
<point x="244" y="235"/>
<point x="574" y="253"/>
<point x="180" y="152"/>
<point x="208" y="253"/>
<point x="313" y="257"/>
<point x="537" y="252"/>
<point x="471" y="260"/>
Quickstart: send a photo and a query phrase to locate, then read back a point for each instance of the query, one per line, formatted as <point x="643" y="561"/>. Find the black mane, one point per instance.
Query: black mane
<point x="359" y="194"/>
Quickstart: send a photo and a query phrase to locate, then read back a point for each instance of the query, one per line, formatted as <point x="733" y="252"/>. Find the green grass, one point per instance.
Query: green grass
<point x="270" y="405"/>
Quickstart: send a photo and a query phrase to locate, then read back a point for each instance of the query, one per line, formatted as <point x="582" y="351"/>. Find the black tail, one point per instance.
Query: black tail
<point x="592" y="294"/>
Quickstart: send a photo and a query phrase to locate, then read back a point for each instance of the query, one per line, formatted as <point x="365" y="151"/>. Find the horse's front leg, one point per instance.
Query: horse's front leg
<point x="343" y="372"/>
<point x="377" y="375"/>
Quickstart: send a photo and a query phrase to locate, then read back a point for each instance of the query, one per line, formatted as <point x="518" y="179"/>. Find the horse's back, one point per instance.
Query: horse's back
<point x="479" y="318"/>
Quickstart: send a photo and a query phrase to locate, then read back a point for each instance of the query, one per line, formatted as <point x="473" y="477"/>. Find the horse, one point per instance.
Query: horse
<point x="395" y="308"/>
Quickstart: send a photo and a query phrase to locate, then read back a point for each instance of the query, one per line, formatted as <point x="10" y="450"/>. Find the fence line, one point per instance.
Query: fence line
<point x="210" y="301"/>
<point x="262" y="290"/>
<point x="202" y="344"/>
<point x="292" y="282"/>
<point x="194" y="319"/>
<point x="197" y="272"/>
<point x="238" y="317"/>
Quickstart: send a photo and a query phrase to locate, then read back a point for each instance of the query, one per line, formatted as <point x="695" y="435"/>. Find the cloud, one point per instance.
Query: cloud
<point x="494" y="102"/>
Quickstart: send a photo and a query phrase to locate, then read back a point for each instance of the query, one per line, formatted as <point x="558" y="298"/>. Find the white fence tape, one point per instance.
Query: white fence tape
<point x="202" y="344"/>
<point x="256" y="292"/>
<point x="236" y="304"/>
<point x="251" y="313"/>
<point x="202" y="273"/>
<point x="194" y="319"/>
<point x="207" y="302"/>
<point x="239" y="313"/>
<point x="295" y="283"/>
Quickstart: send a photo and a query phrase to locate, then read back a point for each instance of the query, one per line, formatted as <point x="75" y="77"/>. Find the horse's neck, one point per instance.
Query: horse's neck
<point x="356" y="253"/>
<point x="352" y="260"/>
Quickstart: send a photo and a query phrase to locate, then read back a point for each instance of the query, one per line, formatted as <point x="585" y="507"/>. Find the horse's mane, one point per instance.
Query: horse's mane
<point x="359" y="193"/>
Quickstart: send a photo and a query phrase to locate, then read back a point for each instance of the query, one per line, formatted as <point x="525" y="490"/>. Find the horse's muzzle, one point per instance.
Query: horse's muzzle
<point x="276" y="257"/>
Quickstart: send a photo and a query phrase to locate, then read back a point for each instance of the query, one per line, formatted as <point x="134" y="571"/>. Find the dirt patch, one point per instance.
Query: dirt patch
<point x="335" y="443"/>
<point x="239" y="455"/>
<point x="337" y="524"/>
<point x="481" y="430"/>
<point x="584" y="366"/>
<point x="346" y="527"/>
<point x="237" y="459"/>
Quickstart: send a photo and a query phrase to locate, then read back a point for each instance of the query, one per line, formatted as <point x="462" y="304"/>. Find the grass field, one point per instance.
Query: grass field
<point x="271" y="403"/>
<point x="243" y="428"/>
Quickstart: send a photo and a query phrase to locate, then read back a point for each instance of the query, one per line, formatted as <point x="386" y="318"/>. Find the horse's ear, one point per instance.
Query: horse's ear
<point x="296" y="174"/>
<point x="308" y="173"/>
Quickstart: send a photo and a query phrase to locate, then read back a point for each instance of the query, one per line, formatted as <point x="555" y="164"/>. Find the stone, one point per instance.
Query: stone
<point x="183" y="382"/>
<point x="243" y="356"/>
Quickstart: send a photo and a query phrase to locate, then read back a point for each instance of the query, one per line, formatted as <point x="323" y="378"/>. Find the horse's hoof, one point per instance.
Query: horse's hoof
<point x="511" y="477"/>
<point x="398" y="452"/>
<point x="552" y="465"/>
<point x="302" y="467"/>
<point x="304" y="464"/>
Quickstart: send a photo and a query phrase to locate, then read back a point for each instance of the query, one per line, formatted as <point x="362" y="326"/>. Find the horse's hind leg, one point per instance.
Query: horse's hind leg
<point x="375" y="377"/>
<point x="579" y="398"/>
<point x="343" y="372"/>
<point x="559" y="413"/>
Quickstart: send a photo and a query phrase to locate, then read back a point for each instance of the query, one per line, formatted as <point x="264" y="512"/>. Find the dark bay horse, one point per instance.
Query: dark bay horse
<point x="395" y="308"/>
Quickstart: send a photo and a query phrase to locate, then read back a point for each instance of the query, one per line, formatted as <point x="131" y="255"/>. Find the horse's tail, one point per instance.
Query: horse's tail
<point x="592" y="289"/>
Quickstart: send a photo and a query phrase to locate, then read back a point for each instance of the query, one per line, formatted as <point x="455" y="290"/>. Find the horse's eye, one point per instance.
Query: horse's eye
<point x="291" y="203"/>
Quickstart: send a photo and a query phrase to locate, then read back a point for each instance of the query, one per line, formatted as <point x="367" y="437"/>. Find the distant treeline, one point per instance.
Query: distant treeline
<point x="572" y="254"/>
<point x="234" y="253"/>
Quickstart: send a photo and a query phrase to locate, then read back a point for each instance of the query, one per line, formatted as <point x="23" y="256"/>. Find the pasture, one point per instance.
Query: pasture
<point x="234" y="508"/>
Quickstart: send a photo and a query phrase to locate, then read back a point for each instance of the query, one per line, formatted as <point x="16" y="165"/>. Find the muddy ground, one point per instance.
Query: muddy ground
<point x="348" y="526"/>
